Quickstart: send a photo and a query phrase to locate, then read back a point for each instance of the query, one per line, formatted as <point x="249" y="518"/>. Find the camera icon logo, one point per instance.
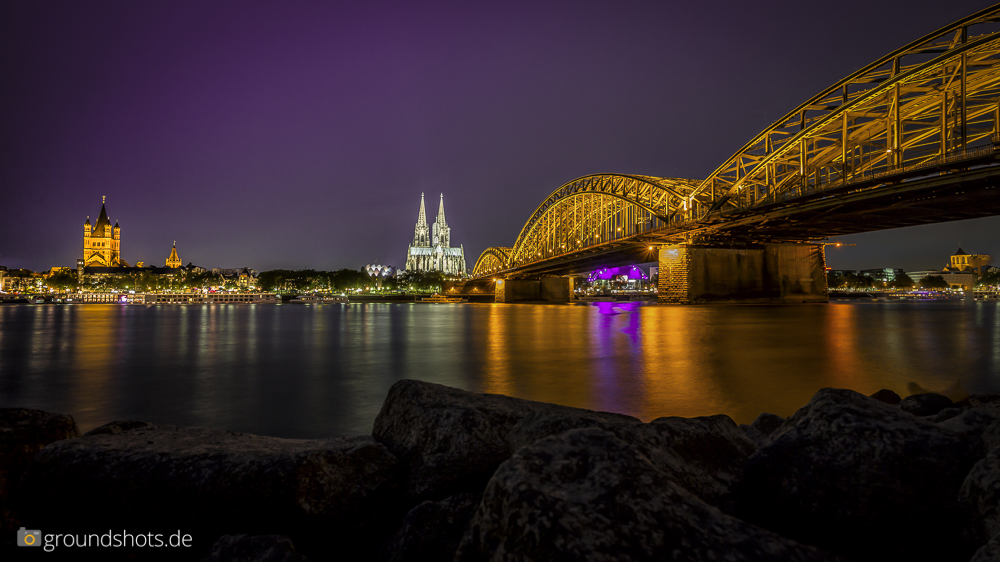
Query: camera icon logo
<point x="29" y="538"/>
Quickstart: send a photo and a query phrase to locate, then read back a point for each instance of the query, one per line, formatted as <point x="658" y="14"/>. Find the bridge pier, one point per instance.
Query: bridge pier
<point x="755" y="273"/>
<point x="545" y="289"/>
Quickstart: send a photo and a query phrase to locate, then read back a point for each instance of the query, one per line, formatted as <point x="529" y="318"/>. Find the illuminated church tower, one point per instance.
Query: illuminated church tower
<point x="173" y="260"/>
<point x="431" y="248"/>
<point x="102" y="243"/>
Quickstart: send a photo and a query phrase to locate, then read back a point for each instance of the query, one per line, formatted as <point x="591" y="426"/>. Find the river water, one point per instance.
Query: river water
<point x="310" y="371"/>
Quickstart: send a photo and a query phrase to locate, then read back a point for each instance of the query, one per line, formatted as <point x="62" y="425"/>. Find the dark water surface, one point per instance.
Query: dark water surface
<point x="323" y="370"/>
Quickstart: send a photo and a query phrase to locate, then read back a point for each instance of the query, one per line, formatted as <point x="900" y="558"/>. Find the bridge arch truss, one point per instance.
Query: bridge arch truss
<point x="491" y="261"/>
<point x="931" y="107"/>
<point x="932" y="102"/>
<point x="598" y="209"/>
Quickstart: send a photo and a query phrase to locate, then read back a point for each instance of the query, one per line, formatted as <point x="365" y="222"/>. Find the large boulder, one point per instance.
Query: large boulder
<point x="587" y="495"/>
<point x="767" y="423"/>
<point x="926" y="404"/>
<point x="253" y="548"/>
<point x="887" y="396"/>
<point x="23" y="433"/>
<point x="981" y="494"/>
<point x="450" y="441"/>
<point x="340" y="491"/>
<point x="990" y="552"/>
<point x="704" y="455"/>
<point x="432" y="530"/>
<point x="860" y="478"/>
<point x="973" y="424"/>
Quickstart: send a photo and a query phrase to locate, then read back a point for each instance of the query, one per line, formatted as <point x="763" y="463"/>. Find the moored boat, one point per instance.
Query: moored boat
<point x="319" y="299"/>
<point x="595" y="298"/>
<point x="436" y="298"/>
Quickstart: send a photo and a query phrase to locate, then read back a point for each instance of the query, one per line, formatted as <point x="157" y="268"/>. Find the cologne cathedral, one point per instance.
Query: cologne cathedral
<point x="431" y="248"/>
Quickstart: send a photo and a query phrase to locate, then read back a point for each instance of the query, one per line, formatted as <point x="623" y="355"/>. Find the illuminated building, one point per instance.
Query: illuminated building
<point x="884" y="274"/>
<point x="173" y="260"/>
<point x="968" y="263"/>
<point x="431" y="248"/>
<point x="379" y="272"/>
<point x="102" y="243"/>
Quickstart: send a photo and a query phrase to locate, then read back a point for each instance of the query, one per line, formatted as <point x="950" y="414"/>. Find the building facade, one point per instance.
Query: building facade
<point x="102" y="243"/>
<point x="431" y="248"/>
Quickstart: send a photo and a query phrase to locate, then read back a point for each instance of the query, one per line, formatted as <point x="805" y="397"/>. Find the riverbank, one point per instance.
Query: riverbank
<point x="448" y="474"/>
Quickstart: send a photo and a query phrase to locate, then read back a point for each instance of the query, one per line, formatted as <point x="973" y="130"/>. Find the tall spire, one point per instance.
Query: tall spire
<point x="440" y="217"/>
<point x="422" y="217"/>
<point x="421" y="234"/>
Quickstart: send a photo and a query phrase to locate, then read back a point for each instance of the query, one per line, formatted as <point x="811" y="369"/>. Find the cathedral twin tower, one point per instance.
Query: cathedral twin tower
<point x="431" y="248"/>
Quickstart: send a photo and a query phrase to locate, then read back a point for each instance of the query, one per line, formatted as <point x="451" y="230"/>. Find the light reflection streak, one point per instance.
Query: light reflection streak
<point x="321" y="371"/>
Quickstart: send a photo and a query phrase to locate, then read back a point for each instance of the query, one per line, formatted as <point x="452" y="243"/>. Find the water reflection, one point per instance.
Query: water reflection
<point x="323" y="370"/>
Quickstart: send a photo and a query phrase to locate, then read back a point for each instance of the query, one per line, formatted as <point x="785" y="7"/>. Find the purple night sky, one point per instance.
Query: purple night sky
<point x="301" y="134"/>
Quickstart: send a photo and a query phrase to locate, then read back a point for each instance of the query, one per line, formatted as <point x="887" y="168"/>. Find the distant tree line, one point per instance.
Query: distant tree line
<point x="342" y="280"/>
<point x="904" y="282"/>
<point x="863" y="282"/>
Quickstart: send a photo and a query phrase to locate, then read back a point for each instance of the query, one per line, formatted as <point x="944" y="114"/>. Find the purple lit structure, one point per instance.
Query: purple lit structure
<point x="630" y="272"/>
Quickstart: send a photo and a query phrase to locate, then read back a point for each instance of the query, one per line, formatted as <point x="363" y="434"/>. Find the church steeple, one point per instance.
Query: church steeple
<point x="421" y="237"/>
<point x="440" y="233"/>
<point x="422" y="216"/>
<point x="173" y="260"/>
<point x="440" y="217"/>
<point x="102" y="243"/>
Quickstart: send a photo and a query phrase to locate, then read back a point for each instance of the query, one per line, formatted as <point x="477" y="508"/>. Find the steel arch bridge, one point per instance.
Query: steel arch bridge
<point x="911" y="138"/>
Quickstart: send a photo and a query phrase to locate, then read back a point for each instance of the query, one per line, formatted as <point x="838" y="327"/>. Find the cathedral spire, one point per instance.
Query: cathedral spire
<point x="421" y="234"/>
<point x="422" y="216"/>
<point x="440" y="217"/>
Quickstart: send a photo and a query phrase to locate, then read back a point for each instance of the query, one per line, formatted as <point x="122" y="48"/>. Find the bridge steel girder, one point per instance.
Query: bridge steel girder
<point x="932" y="100"/>
<point x="491" y="261"/>
<point x="595" y="209"/>
<point x="912" y="138"/>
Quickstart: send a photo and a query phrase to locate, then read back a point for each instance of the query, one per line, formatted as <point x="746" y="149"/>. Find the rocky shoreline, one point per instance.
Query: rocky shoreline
<point x="453" y="475"/>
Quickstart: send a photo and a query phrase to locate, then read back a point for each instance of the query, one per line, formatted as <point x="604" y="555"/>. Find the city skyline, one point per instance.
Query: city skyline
<point x="297" y="137"/>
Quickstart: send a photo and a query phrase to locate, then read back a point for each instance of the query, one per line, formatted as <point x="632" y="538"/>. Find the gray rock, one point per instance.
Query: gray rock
<point x="973" y="424"/>
<point x="450" y="441"/>
<point x="990" y="437"/>
<point x="861" y="478"/>
<point x="976" y="400"/>
<point x="990" y="552"/>
<point x="587" y="495"/>
<point x="981" y="494"/>
<point x="756" y="436"/>
<point x="768" y="423"/>
<point x="945" y="415"/>
<point x="249" y="548"/>
<point x="926" y="404"/>
<point x="112" y="428"/>
<point x="432" y="530"/>
<point x="705" y="455"/>
<point x="23" y="433"/>
<point x="217" y="482"/>
<point x="887" y="396"/>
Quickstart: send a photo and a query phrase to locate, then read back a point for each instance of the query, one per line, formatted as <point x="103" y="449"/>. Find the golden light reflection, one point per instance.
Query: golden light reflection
<point x="93" y="356"/>
<point x="315" y="371"/>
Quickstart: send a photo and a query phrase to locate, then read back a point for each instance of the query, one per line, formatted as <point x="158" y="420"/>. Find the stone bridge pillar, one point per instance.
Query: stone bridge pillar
<point x="755" y="273"/>
<point x="546" y="289"/>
